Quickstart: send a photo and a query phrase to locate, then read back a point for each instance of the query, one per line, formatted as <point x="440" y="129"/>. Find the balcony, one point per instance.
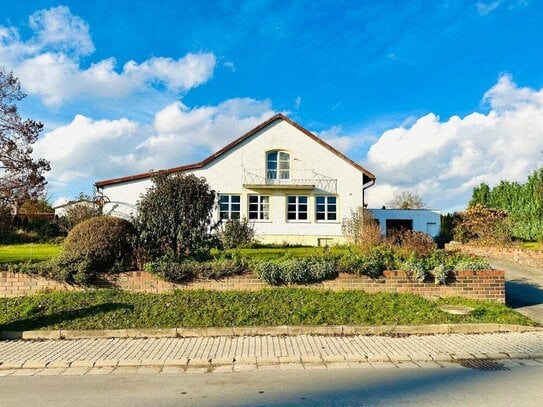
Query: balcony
<point x="288" y="179"/>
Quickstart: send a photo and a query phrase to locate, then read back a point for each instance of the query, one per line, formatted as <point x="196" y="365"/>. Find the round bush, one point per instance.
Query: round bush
<point x="105" y="241"/>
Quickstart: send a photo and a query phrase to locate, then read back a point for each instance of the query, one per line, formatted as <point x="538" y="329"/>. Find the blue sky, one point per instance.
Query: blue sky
<point x="431" y="96"/>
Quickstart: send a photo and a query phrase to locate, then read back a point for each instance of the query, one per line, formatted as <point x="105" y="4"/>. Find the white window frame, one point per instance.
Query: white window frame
<point x="282" y="165"/>
<point x="263" y="207"/>
<point x="297" y="210"/>
<point x="326" y="211"/>
<point x="229" y="202"/>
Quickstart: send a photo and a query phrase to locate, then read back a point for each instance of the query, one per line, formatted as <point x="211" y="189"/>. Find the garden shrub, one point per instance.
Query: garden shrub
<point x="175" y="217"/>
<point x="440" y="274"/>
<point x="104" y="241"/>
<point x="361" y="229"/>
<point x="182" y="271"/>
<point x="303" y="270"/>
<point x="411" y="243"/>
<point x="236" y="233"/>
<point x="471" y="263"/>
<point x="415" y="268"/>
<point x="64" y="268"/>
<point x="371" y="263"/>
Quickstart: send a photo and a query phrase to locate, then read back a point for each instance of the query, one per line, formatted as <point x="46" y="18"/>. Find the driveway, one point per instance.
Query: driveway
<point x="523" y="287"/>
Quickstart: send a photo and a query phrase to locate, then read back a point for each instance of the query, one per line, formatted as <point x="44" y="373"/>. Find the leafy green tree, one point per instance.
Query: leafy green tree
<point x="174" y="217"/>
<point x="523" y="204"/>
<point x="480" y="196"/>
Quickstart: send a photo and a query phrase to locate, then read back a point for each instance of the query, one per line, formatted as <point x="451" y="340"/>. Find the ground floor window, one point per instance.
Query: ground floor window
<point x="326" y="208"/>
<point x="259" y="207"/>
<point x="229" y="206"/>
<point x="297" y="207"/>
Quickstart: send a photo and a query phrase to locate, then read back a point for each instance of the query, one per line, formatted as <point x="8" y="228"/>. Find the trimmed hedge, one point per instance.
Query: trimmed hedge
<point x="104" y="241"/>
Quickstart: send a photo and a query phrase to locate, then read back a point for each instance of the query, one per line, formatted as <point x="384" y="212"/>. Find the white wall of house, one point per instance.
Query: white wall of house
<point x="232" y="171"/>
<point x="423" y="220"/>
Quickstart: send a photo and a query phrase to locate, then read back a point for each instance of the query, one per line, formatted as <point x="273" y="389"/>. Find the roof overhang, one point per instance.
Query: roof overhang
<point x="367" y="176"/>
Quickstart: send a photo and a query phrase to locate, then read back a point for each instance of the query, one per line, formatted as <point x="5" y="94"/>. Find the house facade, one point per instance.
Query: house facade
<point x="294" y="187"/>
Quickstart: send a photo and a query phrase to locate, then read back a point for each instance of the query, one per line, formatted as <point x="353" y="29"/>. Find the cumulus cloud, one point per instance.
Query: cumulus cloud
<point x="444" y="160"/>
<point x="85" y="147"/>
<point x="88" y="150"/>
<point x="345" y="142"/>
<point x="48" y="63"/>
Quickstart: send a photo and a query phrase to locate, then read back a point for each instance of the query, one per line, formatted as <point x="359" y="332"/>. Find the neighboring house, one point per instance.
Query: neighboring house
<point x="294" y="187"/>
<point x="421" y="220"/>
<point x="61" y="210"/>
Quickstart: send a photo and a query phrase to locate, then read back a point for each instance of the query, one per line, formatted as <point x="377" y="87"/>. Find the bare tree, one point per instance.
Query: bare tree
<point x="21" y="176"/>
<point x="406" y="200"/>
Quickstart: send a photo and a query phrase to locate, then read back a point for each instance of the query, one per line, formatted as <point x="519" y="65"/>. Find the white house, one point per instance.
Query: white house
<point x="421" y="220"/>
<point x="292" y="185"/>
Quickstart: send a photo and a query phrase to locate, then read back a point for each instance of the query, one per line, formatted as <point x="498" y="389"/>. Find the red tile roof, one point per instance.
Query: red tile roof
<point x="368" y="176"/>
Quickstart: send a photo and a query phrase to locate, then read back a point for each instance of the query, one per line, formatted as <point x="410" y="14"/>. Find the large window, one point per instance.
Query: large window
<point x="229" y="206"/>
<point x="277" y="165"/>
<point x="259" y="207"/>
<point x="326" y="208"/>
<point x="297" y="207"/>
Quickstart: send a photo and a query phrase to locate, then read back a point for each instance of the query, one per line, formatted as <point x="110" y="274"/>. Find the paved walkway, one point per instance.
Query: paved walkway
<point x="523" y="287"/>
<point x="263" y="352"/>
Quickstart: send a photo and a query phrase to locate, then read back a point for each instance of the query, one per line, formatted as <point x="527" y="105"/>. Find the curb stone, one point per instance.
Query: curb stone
<point x="86" y="366"/>
<point x="284" y="330"/>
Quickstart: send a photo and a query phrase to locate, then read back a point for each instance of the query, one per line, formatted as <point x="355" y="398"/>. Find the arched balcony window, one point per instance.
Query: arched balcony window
<point x="277" y="165"/>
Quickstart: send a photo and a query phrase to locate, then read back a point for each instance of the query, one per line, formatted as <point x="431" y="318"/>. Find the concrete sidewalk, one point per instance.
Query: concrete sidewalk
<point x="206" y="354"/>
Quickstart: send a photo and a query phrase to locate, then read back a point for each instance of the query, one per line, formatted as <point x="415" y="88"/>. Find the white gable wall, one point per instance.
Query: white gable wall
<point x="226" y="176"/>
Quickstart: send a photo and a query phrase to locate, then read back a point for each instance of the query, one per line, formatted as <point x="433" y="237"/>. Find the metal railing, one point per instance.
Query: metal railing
<point x="289" y="178"/>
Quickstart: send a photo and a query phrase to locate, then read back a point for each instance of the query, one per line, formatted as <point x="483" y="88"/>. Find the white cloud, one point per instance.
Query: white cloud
<point x="84" y="148"/>
<point x="486" y="8"/>
<point x="207" y="128"/>
<point x="87" y="150"/>
<point x="344" y="142"/>
<point x="60" y="29"/>
<point x="444" y="160"/>
<point x="48" y="63"/>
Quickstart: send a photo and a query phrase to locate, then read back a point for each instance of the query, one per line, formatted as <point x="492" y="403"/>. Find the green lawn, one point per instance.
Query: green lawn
<point x="114" y="309"/>
<point x="33" y="252"/>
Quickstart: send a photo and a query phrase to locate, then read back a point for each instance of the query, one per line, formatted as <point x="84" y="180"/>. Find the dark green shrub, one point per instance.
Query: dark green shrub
<point x="177" y="272"/>
<point x="175" y="217"/>
<point x="63" y="268"/>
<point x="104" y="241"/>
<point x="236" y="233"/>
<point x="296" y="270"/>
<point x="371" y="263"/>
<point x="173" y="271"/>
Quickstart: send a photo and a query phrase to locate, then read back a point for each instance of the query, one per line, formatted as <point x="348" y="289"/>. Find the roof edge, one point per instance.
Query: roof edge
<point x="248" y="134"/>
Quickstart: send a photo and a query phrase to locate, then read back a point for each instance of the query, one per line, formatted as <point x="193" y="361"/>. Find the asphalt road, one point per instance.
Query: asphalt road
<point x="519" y="386"/>
<point x="523" y="288"/>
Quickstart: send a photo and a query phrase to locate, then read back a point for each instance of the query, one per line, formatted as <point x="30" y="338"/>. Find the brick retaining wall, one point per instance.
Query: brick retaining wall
<point x="533" y="258"/>
<point x="482" y="285"/>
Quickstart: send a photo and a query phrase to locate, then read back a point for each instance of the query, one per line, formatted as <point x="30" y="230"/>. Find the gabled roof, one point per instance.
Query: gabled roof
<point x="368" y="176"/>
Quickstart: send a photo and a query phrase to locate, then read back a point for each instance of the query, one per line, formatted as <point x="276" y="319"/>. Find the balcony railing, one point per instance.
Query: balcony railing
<point x="277" y="179"/>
